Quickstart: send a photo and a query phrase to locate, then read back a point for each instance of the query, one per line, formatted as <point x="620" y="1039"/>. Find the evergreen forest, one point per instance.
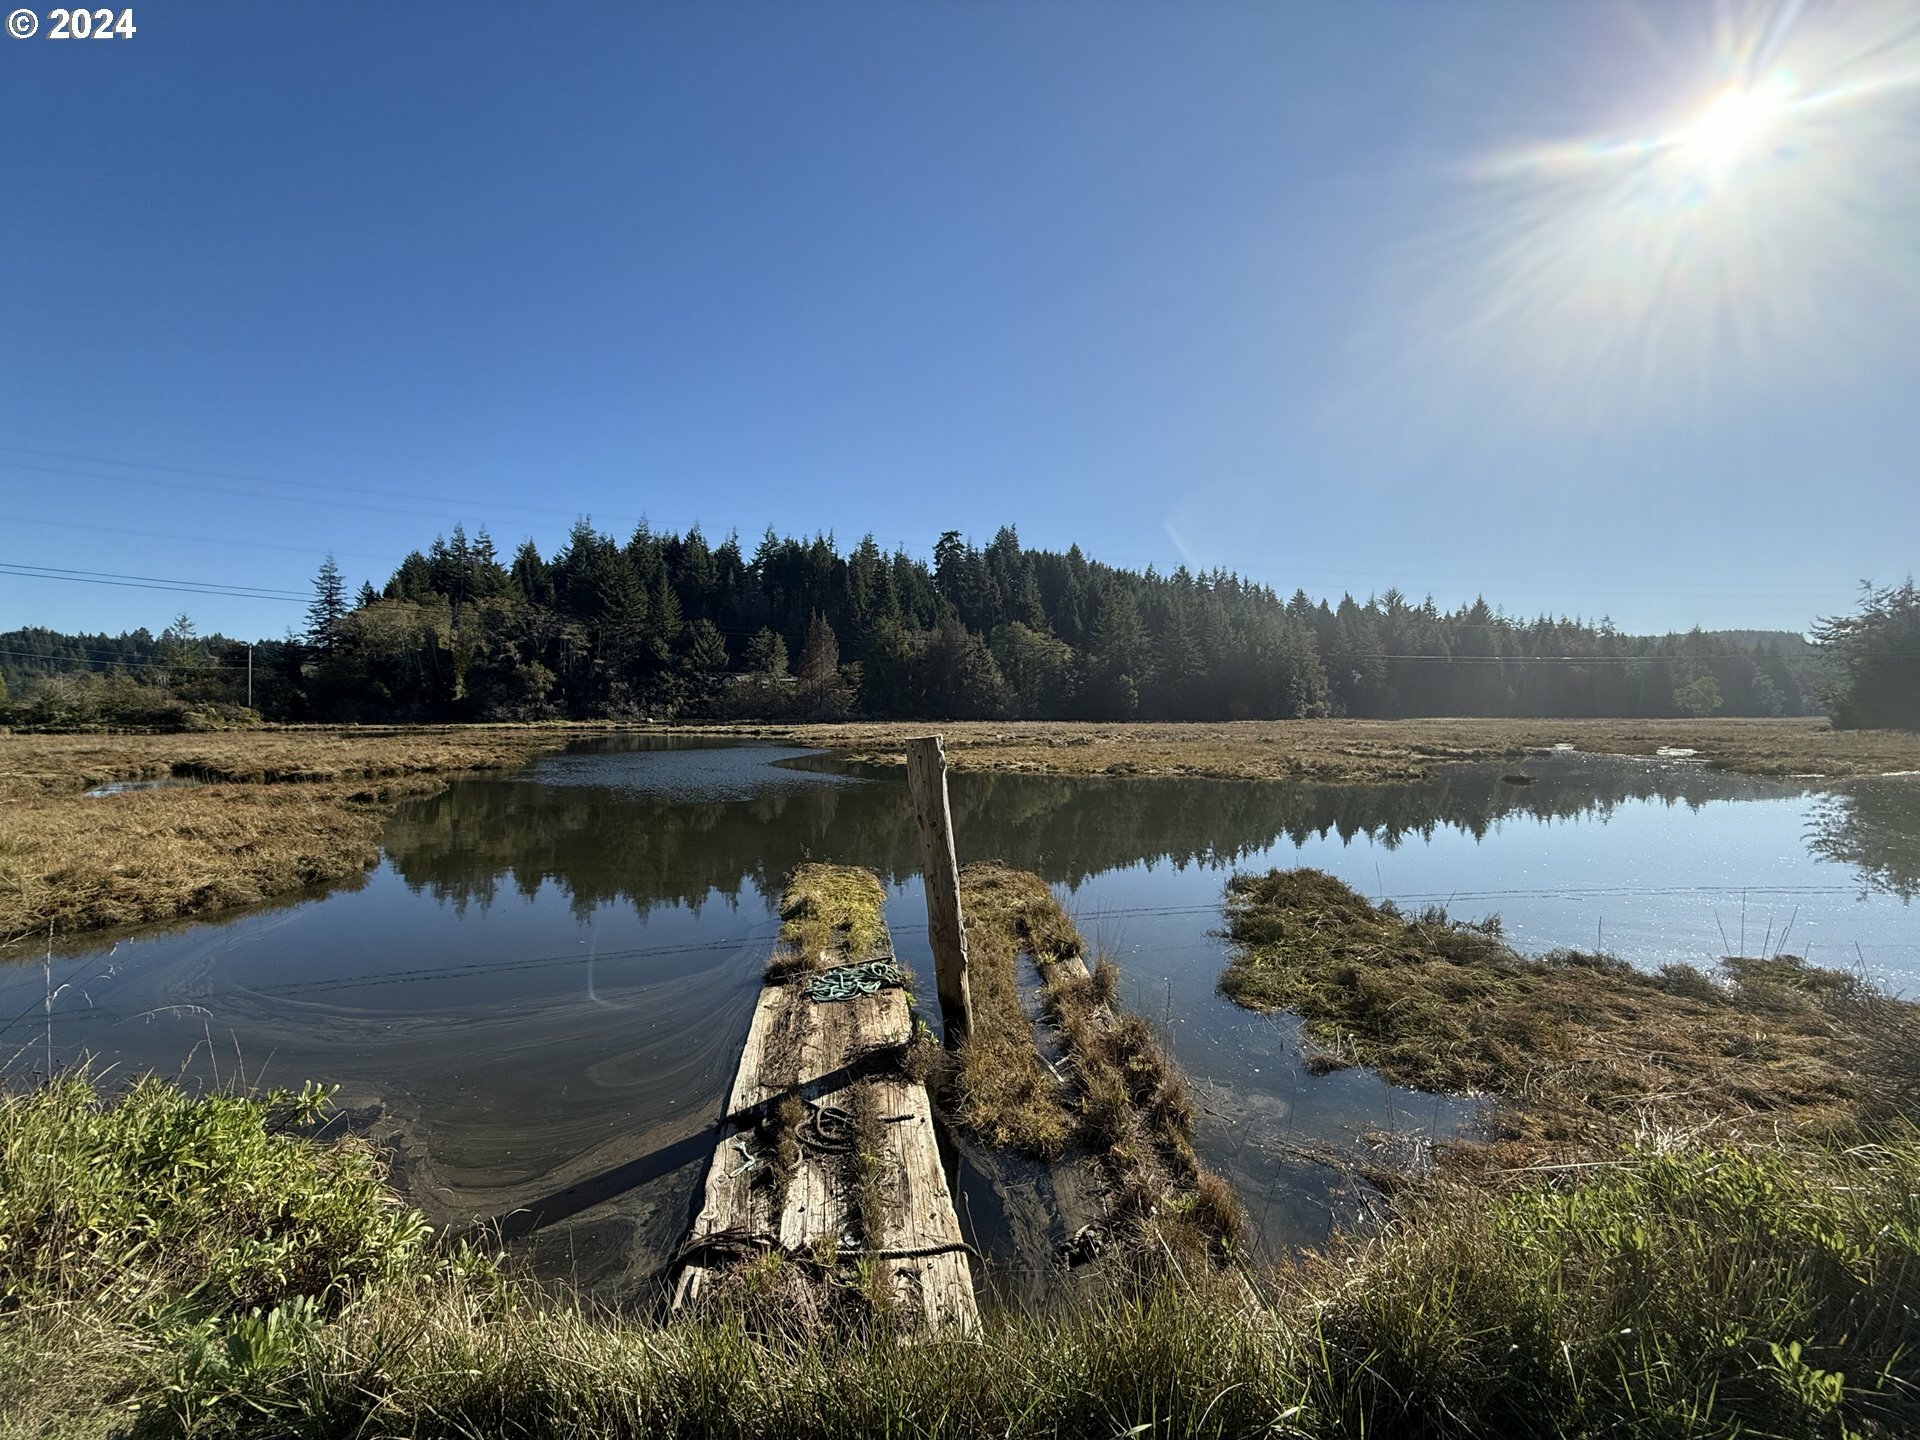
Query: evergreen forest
<point x="666" y="625"/>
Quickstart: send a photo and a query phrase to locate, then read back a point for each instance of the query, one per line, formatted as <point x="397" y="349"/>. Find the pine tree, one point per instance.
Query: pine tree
<point x="767" y="653"/>
<point x="329" y="607"/>
<point x="822" y="691"/>
<point x="709" y="648"/>
<point x="531" y="576"/>
<point x="820" y="656"/>
<point x="668" y="619"/>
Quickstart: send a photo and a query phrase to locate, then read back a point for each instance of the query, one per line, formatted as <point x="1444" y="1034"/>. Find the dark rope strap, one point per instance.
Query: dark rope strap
<point x="828" y="1128"/>
<point x="922" y="1252"/>
<point x="733" y="1244"/>
<point x="739" y="1244"/>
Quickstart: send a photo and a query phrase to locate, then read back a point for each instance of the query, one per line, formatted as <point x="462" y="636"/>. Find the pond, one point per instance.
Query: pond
<point x="538" y="996"/>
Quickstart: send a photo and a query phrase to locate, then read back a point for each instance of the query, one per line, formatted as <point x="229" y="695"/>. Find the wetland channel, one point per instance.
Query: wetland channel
<point x="538" y="996"/>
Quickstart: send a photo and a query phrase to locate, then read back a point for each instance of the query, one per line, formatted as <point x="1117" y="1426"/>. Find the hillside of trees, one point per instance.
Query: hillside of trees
<point x="670" y="625"/>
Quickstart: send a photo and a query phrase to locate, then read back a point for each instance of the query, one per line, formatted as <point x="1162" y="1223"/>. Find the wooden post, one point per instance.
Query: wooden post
<point x="927" y="779"/>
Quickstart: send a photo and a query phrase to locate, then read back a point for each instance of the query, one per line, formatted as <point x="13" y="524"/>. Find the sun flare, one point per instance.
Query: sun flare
<point x="1736" y="124"/>
<point x="1712" y="250"/>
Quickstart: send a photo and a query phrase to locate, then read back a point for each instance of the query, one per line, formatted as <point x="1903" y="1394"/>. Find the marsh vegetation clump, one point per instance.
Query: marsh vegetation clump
<point x="1004" y="1091"/>
<point x="1584" y="1049"/>
<point x="1117" y="1097"/>
<point x="830" y="914"/>
<point x="1137" y="1119"/>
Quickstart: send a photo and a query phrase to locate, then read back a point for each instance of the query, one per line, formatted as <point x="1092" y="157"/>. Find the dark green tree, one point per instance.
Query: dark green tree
<point x="328" y="607"/>
<point x="767" y="653"/>
<point x="1876" y="655"/>
<point x="708" y="649"/>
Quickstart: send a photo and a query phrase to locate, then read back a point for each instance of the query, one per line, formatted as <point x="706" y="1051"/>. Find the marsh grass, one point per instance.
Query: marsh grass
<point x="277" y="811"/>
<point x="1125" y="1104"/>
<point x="153" y="1244"/>
<point x="1677" y="1289"/>
<point x="1358" y="751"/>
<point x="176" y="1265"/>
<point x="1005" y="1093"/>
<point x="1585" y="1049"/>
<point x="830" y="914"/>
<point x="1136" y="1117"/>
<point x="780" y="1142"/>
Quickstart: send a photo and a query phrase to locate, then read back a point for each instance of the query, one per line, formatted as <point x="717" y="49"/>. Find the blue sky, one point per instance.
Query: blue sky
<point x="1460" y="298"/>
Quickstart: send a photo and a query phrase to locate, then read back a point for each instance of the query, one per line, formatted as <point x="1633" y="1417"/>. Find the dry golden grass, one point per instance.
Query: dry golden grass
<point x="1355" y="751"/>
<point x="285" y="809"/>
<point x="36" y="764"/>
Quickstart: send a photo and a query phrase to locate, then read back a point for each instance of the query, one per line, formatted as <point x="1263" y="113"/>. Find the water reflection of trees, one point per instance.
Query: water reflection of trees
<point x="1873" y="826"/>
<point x="597" y="845"/>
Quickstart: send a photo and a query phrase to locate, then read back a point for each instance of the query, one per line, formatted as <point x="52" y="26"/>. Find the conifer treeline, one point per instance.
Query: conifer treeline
<point x="665" y="624"/>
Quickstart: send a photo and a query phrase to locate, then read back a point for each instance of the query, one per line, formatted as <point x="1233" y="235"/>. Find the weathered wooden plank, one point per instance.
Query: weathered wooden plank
<point x="928" y="1267"/>
<point x="819" y="1054"/>
<point x="733" y="1205"/>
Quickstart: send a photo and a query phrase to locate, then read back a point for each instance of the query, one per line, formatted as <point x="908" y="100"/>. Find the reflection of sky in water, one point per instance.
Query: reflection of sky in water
<point x="691" y="772"/>
<point x="1653" y="882"/>
<point x="545" y="983"/>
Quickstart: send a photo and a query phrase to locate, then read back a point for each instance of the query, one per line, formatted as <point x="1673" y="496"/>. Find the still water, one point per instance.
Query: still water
<point x="538" y="996"/>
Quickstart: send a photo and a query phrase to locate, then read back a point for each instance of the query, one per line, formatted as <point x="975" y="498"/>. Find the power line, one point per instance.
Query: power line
<point x="94" y="664"/>
<point x="98" y="653"/>
<point x="196" y="539"/>
<point x="118" y="575"/>
<point x="229" y="493"/>
<point x="148" y="582"/>
<point x="472" y="503"/>
<point x="304" y="484"/>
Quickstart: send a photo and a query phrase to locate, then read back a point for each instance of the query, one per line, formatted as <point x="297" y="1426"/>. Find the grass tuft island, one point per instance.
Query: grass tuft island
<point x="1583" y="1049"/>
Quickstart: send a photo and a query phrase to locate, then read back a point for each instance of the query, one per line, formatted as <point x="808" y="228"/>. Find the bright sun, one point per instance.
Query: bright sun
<point x="1735" y="124"/>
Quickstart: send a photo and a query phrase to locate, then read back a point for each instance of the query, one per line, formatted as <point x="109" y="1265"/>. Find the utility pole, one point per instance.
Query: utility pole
<point x="927" y="779"/>
<point x="249" y="675"/>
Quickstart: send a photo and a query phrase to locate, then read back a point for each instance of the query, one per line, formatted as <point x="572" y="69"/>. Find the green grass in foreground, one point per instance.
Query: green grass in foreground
<point x="176" y="1265"/>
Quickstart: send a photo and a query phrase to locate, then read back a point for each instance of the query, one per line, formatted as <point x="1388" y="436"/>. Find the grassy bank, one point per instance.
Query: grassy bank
<point x="1585" y="1050"/>
<point x="1355" y="751"/>
<point x="272" y="812"/>
<point x="171" y="1265"/>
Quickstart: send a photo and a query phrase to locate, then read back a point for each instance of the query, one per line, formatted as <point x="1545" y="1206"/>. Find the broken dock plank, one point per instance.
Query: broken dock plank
<point x="827" y="1151"/>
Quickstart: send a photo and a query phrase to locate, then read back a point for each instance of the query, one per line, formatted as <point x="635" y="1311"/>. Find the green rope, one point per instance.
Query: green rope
<point x="850" y="982"/>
